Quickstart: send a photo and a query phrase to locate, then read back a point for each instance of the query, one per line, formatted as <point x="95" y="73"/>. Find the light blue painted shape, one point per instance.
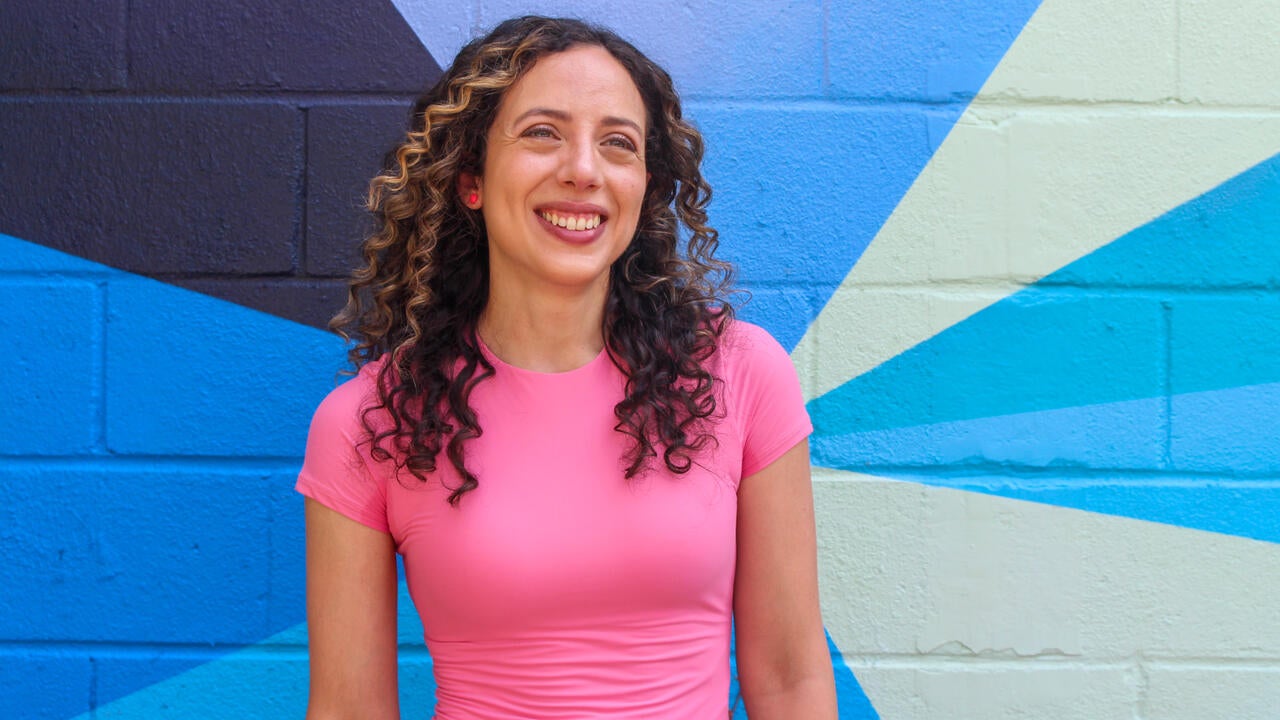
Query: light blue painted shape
<point x="1228" y="432"/>
<point x="1063" y="343"/>
<point x="266" y="680"/>
<point x="1232" y="507"/>
<point x="1121" y="435"/>
<point x="1222" y="477"/>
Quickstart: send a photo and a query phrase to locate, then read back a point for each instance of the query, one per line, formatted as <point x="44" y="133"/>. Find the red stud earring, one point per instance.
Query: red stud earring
<point x="473" y="198"/>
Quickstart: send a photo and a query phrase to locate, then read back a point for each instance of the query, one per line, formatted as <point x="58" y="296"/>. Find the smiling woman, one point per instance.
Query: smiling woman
<point x="561" y="190"/>
<point x="588" y="465"/>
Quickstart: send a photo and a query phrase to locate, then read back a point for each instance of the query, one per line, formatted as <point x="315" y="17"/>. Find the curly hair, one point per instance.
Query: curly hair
<point x="425" y="275"/>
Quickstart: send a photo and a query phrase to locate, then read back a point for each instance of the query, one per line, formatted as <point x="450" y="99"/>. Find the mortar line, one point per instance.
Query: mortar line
<point x="826" y="48"/>
<point x="304" y="194"/>
<point x="1177" y="51"/>
<point x="127" y="10"/>
<point x="1144" y="689"/>
<point x="93" y="687"/>
<point x="100" y="387"/>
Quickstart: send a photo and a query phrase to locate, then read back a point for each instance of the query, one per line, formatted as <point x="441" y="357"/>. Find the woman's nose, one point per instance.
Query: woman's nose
<point x="581" y="166"/>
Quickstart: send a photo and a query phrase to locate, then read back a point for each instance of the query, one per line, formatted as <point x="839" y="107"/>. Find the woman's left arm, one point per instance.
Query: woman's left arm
<point x="784" y="667"/>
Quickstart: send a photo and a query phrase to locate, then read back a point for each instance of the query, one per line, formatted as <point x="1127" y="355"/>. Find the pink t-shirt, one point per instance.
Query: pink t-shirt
<point x="557" y="588"/>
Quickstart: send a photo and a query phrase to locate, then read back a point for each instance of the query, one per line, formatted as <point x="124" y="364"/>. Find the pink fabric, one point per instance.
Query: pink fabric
<point x="558" y="589"/>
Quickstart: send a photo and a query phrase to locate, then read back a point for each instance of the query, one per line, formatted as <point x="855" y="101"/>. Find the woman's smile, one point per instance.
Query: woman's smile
<point x="573" y="222"/>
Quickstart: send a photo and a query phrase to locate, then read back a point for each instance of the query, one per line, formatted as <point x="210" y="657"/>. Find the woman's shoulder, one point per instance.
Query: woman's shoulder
<point x="745" y="343"/>
<point x="343" y="407"/>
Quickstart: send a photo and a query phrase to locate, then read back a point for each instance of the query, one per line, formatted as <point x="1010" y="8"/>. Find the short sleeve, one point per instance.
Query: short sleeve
<point x="766" y="396"/>
<point x="336" y="468"/>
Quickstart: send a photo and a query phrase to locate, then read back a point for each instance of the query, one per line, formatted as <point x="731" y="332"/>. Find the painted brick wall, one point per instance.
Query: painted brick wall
<point x="1025" y="252"/>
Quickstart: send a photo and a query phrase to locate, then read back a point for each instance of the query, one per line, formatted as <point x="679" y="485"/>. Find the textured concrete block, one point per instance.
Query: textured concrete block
<point x="303" y="300"/>
<point x="326" y="45"/>
<point x="908" y="569"/>
<point x="134" y="554"/>
<point x="1093" y="50"/>
<point x="192" y="375"/>
<point x="1230" y="431"/>
<point x="1223" y="239"/>
<point x="168" y="187"/>
<point x="916" y="49"/>
<point x="1204" y="691"/>
<point x="65" y="45"/>
<point x="784" y="312"/>
<point x="52" y="381"/>
<point x="345" y="149"/>
<point x="803" y="210"/>
<point x="1001" y="691"/>
<point x="21" y="257"/>
<point x="1128" y="434"/>
<point x="1228" y="52"/>
<point x="962" y="232"/>
<point x="1224" y="342"/>
<point x="286" y="605"/>
<point x="44" y="684"/>
<point x="1080" y="180"/>
<point x="1036" y="350"/>
<point x="261" y="683"/>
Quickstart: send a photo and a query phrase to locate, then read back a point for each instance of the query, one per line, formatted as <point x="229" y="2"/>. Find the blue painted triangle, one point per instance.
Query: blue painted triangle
<point x="176" y="523"/>
<point x="1057" y="344"/>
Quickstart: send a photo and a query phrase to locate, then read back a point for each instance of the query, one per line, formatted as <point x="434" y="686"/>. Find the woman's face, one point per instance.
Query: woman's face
<point x="564" y="173"/>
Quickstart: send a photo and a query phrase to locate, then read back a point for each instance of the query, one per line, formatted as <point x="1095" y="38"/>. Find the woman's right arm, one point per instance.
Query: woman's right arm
<point x="351" y="618"/>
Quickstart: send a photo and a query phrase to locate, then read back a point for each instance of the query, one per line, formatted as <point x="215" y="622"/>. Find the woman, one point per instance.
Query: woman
<point x="587" y="465"/>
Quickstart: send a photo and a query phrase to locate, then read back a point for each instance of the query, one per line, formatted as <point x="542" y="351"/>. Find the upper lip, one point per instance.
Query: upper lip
<point x="572" y="208"/>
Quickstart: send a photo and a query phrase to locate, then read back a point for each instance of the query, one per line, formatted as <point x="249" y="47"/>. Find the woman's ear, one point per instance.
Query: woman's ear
<point x="469" y="189"/>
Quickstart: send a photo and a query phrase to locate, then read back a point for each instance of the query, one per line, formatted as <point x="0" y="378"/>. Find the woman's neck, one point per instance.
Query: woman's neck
<point x="545" y="332"/>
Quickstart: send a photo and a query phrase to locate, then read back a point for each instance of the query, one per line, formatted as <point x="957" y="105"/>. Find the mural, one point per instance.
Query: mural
<point x="1025" y="253"/>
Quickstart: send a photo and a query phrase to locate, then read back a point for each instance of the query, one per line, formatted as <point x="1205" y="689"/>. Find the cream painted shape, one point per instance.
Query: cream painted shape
<point x="923" y="586"/>
<point x="1019" y="189"/>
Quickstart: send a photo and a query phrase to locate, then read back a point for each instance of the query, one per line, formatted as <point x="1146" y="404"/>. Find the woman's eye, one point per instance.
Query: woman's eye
<point x="621" y="142"/>
<point x="539" y="131"/>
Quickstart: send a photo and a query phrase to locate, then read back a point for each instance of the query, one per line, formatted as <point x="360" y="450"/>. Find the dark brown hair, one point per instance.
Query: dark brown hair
<point x="666" y="306"/>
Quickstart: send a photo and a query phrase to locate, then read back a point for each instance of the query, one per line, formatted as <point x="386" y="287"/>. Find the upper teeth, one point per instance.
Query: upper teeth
<point x="571" y="222"/>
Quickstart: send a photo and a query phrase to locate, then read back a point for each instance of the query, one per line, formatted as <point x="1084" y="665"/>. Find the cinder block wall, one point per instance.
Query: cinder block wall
<point x="1025" y="254"/>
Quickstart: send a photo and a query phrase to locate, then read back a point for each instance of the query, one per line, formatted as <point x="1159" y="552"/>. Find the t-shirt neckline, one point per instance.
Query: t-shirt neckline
<point x="497" y="362"/>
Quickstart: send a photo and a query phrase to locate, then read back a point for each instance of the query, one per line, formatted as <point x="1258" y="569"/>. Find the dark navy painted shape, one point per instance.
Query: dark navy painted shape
<point x="67" y="45"/>
<point x="316" y="45"/>
<point x="200" y="166"/>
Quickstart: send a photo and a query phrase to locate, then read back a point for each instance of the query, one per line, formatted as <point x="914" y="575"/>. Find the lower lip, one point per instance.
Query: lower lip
<point x="575" y="237"/>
